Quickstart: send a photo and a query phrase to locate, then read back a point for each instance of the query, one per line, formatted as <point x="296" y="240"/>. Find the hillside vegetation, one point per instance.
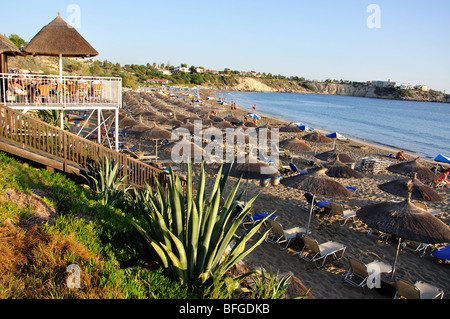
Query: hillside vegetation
<point x="134" y="76"/>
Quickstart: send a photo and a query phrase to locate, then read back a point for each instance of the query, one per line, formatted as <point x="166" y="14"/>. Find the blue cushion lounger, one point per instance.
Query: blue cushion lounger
<point x="320" y="205"/>
<point x="251" y="219"/>
<point x="443" y="254"/>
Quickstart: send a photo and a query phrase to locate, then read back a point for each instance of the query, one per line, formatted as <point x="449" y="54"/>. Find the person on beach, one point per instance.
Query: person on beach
<point x="401" y="156"/>
<point x="254" y="107"/>
<point x="443" y="177"/>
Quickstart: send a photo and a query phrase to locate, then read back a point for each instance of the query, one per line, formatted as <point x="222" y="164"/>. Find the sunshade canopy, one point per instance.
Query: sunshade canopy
<point x="59" y="38"/>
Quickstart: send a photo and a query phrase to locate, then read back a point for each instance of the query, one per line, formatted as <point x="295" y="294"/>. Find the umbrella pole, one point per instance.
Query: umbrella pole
<point x="396" y="257"/>
<point x="310" y="213"/>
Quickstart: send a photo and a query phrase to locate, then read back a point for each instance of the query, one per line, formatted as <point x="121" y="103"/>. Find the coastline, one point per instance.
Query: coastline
<point x="292" y="210"/>
<point x="380" y="147"/>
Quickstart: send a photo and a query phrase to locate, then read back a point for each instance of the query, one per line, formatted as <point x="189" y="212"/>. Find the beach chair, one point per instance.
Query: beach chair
<point x="416" y="246"/>
<point x="313" y="252"/>
<point x="442" y="254"/>
<point x="336" y="209"/>
<point x="420" y="290"/>
<point x="317" y="206"/>
<point x="278" y="235"/>
<point x="295" y="170"/>
<point x="434" y="212"/>
<point x="358" y="273"/>
<point x="251" y="219"/>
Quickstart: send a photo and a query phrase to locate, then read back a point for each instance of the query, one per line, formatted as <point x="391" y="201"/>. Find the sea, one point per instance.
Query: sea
<point x="420" y="128"/>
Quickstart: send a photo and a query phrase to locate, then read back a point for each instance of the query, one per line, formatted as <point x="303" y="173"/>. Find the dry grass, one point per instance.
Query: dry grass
<point x="33" y="265"/>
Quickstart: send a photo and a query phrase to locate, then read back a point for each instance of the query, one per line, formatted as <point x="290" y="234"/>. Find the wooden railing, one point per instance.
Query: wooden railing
<point x="29" y="132"/>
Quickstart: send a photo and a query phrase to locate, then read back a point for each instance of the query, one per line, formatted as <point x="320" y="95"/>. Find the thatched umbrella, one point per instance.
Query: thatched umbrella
<point x="128" y="121"/>
<point x="295" y="145"/>
<point x="59" y="39"/>
<point x="290" y="129"/>
<point x="7" y="48"/>
<point x="137" y="129"/>
<point x="316" y="182"/>
<point x="252" y="168"/>
<point x="340" y="170"/>
<point x="334" y="155"/>
<point x="404" y="220"/>
<point x="183" y="148"/>
<point x="223" y="125"/>
<point x="411" y="167"/>
<point x="317" y="137"/>
<point x="156" y="133"/>
<point x="419" y="191"/>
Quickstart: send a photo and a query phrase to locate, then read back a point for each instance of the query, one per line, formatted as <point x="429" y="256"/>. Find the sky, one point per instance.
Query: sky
<point x="406" y="41"/>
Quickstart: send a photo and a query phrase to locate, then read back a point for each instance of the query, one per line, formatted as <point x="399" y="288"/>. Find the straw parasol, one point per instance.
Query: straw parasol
<point x="419" y="191"/>
<point x="340" y="170"/>
<point x="137" y="129"/>
<point x="7" y="48"/>
<point x="233" y="120"/>
<point x="156" y="133"/>
<point x="317" y="137"/>
<point x="290" y="129"/>
<point x="405" y="221"/>
<point x="252" y="168"/>
<point x="295" y="145"/>
<point x="410" y="167"/>
<point x="128" y="121"/>
<point x="59" y="39"/>
<point x="178" y="148"/>
<point x="334" y="155"/>
<point x="223" y="125"/>
<point x="316" y="182"/>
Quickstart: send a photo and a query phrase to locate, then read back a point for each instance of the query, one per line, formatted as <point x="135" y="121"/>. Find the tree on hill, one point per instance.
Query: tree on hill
<point x="18" y="41"/>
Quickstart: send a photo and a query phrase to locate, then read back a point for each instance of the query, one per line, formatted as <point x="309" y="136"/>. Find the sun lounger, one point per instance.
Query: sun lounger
<point x="278" y="235"/>
<point x="416" y="246"/>
<point x="251" y="219"/>
<point x="358" y="273"/>
<point x="442" y="254"/>
<point x="295" y="170"/>
<point x="336" y="209"/>
<point x="433" y="212"/>
<point x="420" y="290"/>
<point x="313" y="252"/>
<point x="317" y="206"/>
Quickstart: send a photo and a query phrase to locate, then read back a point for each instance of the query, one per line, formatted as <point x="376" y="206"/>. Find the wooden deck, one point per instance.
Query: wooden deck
<point x="29" y="138"/>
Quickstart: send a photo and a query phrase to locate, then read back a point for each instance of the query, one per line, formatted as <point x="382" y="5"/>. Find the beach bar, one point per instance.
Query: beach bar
<point x="26" y="92"/>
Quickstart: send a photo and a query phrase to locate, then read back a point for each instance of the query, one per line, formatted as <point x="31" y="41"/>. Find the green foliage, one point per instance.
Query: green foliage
<point x="18" y="41"/>
<point x="191" y="236"/>
<point x="104" y="178"/>
<point x="268" y="286"/>
<point x="53" y="117"/>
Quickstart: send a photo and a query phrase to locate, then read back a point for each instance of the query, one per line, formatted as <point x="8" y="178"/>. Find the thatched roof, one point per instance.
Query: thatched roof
<point x="252" y="168"/>
<point x="58" y="37"/>
<point x="340" y="170"/>
<point x="411" y="167"/>
<point x="317" y="182"/>
<point x="295" y="145"/>
<point x="7" y="47"/>
<point x="405" y="220"/>
<point x="419" y="191"/>
<point x="334" y="155"/>
<point x="156" y="133"/>
<point x="317" y="137"/>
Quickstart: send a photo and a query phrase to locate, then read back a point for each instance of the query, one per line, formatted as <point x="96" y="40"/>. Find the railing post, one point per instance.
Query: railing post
<point x="63" y="133"/>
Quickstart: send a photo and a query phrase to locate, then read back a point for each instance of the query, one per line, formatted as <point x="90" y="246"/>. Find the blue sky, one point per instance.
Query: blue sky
<point x="314" y="39"/>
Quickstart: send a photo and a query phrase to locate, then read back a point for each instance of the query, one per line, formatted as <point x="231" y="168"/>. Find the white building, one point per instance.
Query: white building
<point x="383" y="84"/>
<point x="422" y="87"/>
<point x="406" y="86"/>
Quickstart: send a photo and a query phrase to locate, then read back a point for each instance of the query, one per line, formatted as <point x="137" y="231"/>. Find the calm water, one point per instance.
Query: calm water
<point x="417" y="127"/>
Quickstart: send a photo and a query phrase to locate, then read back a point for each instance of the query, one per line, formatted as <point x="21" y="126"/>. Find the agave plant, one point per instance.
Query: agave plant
<point x="104" y="178"/>
<point x="268" y="286"/>
<point x="195" y="239"/>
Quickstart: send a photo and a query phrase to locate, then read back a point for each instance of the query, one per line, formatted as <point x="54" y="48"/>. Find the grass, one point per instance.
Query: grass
<point x="97" y="238"/>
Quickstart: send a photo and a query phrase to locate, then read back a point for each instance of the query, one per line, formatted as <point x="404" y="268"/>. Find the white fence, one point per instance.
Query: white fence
<point x="53" y="90"/>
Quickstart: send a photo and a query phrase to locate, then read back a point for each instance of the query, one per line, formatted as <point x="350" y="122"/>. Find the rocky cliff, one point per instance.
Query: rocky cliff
<point x="248" y="84"/>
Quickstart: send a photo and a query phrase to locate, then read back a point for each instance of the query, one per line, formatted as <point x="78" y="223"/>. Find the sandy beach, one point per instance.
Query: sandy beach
<point x="292" y="210"/>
